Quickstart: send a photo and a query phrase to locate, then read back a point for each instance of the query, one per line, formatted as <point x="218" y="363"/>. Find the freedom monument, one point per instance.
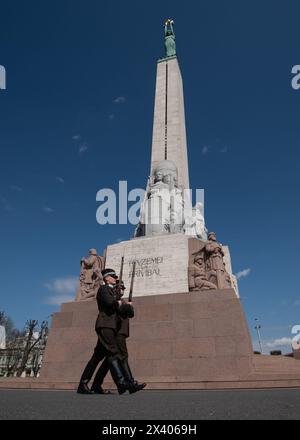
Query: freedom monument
<point x="162" y="248"/>
<point x="189" y="329"/>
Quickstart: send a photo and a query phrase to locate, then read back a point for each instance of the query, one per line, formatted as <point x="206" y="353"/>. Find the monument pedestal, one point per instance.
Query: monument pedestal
<point x="177" y="341"/>
<point x="197" y="340"/>
<point x="176" y="338"/>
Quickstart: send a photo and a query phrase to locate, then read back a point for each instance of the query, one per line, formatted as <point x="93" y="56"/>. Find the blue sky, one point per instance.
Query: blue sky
<point x="64" y="134"/>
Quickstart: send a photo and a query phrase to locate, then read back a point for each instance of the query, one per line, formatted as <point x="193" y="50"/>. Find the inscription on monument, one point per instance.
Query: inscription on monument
<point x="146" y="267"/>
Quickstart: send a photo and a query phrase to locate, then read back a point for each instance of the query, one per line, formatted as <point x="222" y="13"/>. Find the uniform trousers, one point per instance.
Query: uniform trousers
<point x="104" y="367"/>
<point x="107" y="347"/>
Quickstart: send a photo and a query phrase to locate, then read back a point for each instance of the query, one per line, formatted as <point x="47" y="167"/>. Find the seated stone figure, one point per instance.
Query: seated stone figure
<point x="207" y="269"/>
<point x="90" y="277"/>
<point x="197" y="275"/>
<point x="158" y="184"/>
<point x="163" y="210"/>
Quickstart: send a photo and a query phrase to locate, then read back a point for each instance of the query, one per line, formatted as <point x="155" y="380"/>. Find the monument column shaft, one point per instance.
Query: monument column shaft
<point x="169" y="133"/>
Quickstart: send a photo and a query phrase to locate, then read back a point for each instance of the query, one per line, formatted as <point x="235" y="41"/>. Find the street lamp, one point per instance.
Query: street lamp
<point x="257" y="328"/>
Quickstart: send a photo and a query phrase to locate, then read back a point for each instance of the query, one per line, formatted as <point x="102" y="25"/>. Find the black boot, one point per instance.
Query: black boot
<point x="134" y="386"/>
<point x="99" y="378"/>
<point x="118" y="376"/>
<point x="83" y="388"/>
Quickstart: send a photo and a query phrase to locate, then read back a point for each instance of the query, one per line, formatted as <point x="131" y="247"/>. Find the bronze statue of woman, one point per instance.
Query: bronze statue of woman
<point x="170" y="44"/>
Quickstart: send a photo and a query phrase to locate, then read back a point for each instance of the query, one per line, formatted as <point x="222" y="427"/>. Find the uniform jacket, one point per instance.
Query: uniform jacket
<point x="123" y="323"/>
<point x="123" y="326"/>
<point x="108" y="307"/>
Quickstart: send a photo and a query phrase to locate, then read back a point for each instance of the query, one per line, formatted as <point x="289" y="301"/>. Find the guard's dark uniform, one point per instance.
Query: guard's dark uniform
<point x="112" y="327"/>
<point x="125" y="312"/>
<point x="106" y="327"/>
<point x="122" y="335"/>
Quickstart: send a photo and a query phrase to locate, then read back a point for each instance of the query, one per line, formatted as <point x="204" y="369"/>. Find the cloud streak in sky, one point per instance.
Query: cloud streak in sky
<point x="82" y="148"/>
<point x="205" y="149"/>
<point x="63" y="290"/>
<point x="48" y="210"/>
<point x="243" y="273"/>
<point x="120" y="100"/>
<point x="16" y="188"/>
<point x="4" y="203"/>
<point x="224" y="150"/>
<point x="57" y="300"/>
<point x="279" y="342"/>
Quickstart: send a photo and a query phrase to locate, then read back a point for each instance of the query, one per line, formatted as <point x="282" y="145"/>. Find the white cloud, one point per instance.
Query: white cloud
<point x="243" y="273"/>
<point x="82" y="148"/>
<point x="16" y="188"/>
<point x="205" y="149"/>
<point x="5" y="204"/>
<point x="57" y="300"/>
<point x="64" y="290"/>
<point x="223" y="150"/>
<point x="63" y="285"/>
<point x="119" y="100"/>
<point x="280" y="342"/>
<point x="60" y="179"/>
<point x="48" y="210"/>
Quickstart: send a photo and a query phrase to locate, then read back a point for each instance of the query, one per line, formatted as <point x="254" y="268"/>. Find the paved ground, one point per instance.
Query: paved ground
<point x="151" y="405"/>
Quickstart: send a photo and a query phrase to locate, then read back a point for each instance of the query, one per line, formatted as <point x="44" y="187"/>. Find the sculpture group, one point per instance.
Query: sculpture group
<point x="167" y="208"/>
<point x="207" y="267"/>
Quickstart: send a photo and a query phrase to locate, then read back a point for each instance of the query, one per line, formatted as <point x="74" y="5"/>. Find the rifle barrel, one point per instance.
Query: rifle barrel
<point x="121" y="270"/>
<point x="131" y="282"/>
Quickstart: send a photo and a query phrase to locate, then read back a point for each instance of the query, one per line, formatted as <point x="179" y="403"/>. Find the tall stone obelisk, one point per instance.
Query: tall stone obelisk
<point x="167" y="208"/>
<point x="169" y="133"/>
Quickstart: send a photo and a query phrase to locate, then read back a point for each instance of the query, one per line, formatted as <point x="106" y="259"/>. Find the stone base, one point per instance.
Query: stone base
<point x="254" y="383"/>
<point x="161" y="263"/>
<point x="178" y="341"/>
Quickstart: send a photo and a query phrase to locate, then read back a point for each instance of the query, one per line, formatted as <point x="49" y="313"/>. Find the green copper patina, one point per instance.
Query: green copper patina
<point x="170" y="44"/>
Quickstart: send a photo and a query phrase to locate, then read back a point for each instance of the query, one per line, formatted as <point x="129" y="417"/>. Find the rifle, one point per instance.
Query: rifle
<point x="131" y="282"/>
<point x="119" y="283"/>
<point x="121" y="270"/>
<point x="126" y="310"/>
